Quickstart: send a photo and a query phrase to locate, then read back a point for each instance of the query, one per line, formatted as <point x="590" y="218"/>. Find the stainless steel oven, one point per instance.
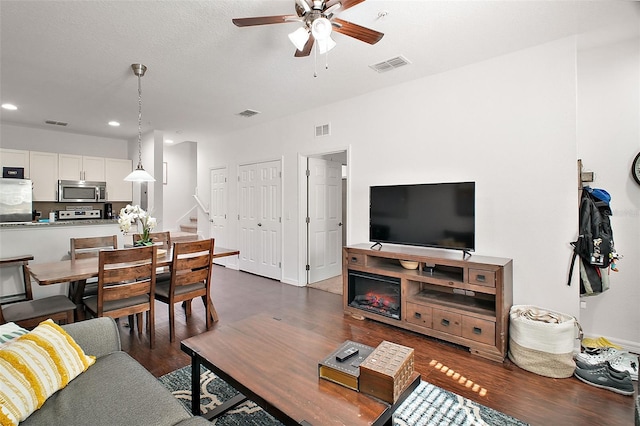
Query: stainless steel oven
<point x="81" y="191"/>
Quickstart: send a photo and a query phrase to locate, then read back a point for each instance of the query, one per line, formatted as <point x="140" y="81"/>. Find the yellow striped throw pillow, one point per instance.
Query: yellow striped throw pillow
<point x="34" y="366"/>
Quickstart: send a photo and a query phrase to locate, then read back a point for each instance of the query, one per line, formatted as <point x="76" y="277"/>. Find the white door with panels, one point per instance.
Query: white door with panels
<point x="259" y="198"/>
<point x="324" y="219"/>
<point x="218" y="209"/>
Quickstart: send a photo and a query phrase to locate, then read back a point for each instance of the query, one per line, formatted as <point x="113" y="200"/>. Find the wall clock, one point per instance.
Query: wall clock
<point x="635" y="169"/>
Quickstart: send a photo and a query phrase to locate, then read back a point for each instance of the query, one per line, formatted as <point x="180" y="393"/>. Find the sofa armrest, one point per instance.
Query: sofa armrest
<point x="96" y="336"/>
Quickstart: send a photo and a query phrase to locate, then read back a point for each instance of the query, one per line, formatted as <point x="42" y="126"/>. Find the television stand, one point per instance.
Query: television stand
<point x="463" y="301"/>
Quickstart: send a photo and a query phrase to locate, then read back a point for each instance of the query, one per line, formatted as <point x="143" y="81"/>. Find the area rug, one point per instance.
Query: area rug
<point x="428" y="405"/>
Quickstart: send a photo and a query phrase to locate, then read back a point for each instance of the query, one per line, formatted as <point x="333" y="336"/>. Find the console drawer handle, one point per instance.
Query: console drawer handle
<point x="445" y="322"/>
<point x="477" y="330"/>
<point x="481" y="278"/>
<point x="354" y="260"/>
<point x="417" y="315"/>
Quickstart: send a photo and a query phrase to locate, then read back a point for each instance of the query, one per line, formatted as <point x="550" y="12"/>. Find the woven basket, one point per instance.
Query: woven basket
<point x="542" y="341"/>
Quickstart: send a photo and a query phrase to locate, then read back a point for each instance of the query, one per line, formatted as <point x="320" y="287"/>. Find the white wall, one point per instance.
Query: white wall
<point x="33" y="139"/>
<point x="508" y="123"/>
<point x="181" y="184"/>
<point x="608" y="140"/>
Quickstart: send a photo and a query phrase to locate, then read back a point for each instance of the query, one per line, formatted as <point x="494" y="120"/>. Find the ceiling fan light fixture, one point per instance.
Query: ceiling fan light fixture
<point x="321" y="29"/>
<point x="299" y="38"/>
<point x="326" y="45"/>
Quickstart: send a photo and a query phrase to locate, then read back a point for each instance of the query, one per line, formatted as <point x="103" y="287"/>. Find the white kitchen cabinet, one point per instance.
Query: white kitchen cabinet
<point x="79" y="167"/>
<point x="15" y="158"/>
<point x="116" y="169"/>
<point x="44" y="175"/>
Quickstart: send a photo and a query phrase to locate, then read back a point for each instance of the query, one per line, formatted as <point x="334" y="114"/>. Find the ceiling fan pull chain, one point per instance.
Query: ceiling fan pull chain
<point x="315" y="61"/>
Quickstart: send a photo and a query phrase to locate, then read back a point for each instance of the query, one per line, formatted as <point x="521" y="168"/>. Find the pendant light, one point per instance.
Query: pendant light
<point x="139" y="174"/>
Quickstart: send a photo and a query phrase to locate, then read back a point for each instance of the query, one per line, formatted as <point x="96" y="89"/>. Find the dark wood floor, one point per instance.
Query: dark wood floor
<point x="505" y="387"/>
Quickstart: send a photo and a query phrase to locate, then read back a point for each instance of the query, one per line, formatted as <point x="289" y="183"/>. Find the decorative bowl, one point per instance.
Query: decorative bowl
<point x="409" y="264"/>
<point x="161" y="252"/>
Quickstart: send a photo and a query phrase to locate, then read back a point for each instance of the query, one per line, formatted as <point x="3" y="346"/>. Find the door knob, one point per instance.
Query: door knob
<point x="340" y="224"/>
<point x="259" y="224"/>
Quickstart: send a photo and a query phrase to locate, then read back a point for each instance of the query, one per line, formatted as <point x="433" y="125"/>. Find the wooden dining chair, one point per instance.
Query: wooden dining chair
<point x="126" y="286"/>
<point x="30" y="312"/>
<point x="86" y="247"/>
<point x="190" y="278"/>
<point x="163" y="241"/>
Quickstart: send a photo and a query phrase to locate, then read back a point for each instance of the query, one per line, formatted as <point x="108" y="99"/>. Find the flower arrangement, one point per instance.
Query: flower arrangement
<point x="129" y="215"/>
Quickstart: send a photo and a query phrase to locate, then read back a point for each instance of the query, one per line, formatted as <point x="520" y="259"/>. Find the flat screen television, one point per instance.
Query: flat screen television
<point x="438" y="215"/>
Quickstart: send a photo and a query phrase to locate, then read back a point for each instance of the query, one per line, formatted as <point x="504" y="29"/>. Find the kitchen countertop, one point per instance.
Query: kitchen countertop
<point x="75" y="222"/>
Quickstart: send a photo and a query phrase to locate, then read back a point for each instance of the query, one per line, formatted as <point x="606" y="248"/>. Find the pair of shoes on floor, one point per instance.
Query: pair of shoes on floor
<point x="604" y="376"/>
<point x="619" y="360"/>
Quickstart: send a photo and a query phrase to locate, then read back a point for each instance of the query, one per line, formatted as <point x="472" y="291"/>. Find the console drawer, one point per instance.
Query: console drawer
<point x="480" y="277"/>
<point x="479" y="330"/>
<point x="355" y="259"/>
<point x="419" y="315"/>
<point x="447" y="322"/>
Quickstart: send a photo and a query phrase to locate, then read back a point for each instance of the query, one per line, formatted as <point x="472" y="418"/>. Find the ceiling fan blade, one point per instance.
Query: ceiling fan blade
<point x="345" y="4"/>
<point x="307" y="48"/>
<point x="264" y="20"/>
<point x="356" y="31"/>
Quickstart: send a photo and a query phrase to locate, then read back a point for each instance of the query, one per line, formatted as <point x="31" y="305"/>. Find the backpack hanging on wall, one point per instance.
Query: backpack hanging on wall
<point x="594" y="246"/>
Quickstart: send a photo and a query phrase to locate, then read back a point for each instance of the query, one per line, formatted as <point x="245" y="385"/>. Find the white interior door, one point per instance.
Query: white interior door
<point x="260" y="188"/>
<point x="324" y="189"/>
<point x="218" y="209"/>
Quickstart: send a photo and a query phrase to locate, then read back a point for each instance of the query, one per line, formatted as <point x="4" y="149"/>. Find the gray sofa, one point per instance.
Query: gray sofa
<point x="116" y="390"/>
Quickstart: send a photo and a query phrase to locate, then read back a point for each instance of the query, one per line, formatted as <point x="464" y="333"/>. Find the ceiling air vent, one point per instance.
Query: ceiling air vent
<point x="56" y="123"/>
<point x="390" y="64"/>
<point x="323" y="130"/>
<point x="248" y="113"/>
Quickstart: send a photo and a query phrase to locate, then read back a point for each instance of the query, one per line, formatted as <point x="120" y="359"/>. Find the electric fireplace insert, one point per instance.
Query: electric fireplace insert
<point x="374" y="293"/>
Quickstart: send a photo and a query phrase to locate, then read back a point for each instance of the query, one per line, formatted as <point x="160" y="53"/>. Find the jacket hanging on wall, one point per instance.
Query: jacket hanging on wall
<point x="594" y="245"/>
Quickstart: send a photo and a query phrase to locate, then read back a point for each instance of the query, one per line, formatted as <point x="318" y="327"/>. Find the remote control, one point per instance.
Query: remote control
<point x="346" y="354"/>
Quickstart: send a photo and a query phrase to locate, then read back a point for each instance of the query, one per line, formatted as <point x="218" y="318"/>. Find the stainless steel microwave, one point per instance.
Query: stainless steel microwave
<point x="81" y="191"/>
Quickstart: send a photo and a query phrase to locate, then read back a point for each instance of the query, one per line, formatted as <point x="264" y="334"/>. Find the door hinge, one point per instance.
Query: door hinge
<point x="279" y="265"/>
<point x="308" y="219"/>
<point x="308" y="172"/>
<point x="307" y="267"/>
<point x="238" y="217"/>
<point x="280" y="219"/>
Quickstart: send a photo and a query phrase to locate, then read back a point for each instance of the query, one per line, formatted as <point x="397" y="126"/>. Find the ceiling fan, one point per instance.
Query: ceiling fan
<point x="318" y="21"/>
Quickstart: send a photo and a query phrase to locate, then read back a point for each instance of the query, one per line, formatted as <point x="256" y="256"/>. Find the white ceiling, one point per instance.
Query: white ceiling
<point x="70" y="61"/>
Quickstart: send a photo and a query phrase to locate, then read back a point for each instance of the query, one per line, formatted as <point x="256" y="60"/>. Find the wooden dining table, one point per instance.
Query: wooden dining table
<point x="80" y="270"/>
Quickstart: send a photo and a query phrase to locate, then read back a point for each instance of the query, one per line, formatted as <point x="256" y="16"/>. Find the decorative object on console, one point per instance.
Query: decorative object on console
<point x="139" y="174"/>
<point x="409" y="264"/>
<point x="129" y="215"/>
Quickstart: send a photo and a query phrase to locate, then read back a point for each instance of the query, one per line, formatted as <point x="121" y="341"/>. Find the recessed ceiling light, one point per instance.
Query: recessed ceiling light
<point x="168" y="141"/>
<point x="10" y="107"/>
<point x="114" y="124"/>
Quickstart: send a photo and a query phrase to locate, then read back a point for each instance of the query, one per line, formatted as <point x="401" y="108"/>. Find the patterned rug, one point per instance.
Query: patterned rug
<point x="427" y="405"/>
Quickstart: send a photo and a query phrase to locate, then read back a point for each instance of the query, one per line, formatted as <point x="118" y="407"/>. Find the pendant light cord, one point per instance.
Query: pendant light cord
<point x="139" y="123"/>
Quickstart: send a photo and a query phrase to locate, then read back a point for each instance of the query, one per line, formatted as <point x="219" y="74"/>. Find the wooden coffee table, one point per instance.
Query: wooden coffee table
<point x="275" y="364"/>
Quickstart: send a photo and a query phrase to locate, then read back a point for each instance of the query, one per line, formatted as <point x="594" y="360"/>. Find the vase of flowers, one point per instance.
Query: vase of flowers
<point x="130" y="215"/>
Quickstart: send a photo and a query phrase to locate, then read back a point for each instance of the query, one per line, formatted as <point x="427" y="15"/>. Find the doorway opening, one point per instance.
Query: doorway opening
<point x="326" y="219"/>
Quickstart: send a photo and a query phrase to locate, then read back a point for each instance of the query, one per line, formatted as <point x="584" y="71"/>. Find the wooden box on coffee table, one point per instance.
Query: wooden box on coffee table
<point x="387" y="371"/>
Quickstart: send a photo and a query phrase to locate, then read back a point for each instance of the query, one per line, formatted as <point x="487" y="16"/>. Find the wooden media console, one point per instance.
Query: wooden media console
<point x="463" y="300"/>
